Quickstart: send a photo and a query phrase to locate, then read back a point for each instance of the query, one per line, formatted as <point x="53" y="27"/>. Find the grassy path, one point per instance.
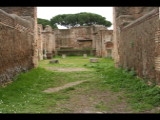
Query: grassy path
<point x="82" y="87"/>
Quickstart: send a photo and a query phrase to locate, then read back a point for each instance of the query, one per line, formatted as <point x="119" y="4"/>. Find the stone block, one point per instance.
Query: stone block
<point x="94" y="60"/>
<point x="63" y="56"/>
<point x="54" y="61"/>
<point x="84" y="55"/>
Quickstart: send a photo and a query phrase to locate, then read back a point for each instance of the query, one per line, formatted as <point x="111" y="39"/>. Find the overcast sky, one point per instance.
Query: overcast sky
<point x="49" y="12"/>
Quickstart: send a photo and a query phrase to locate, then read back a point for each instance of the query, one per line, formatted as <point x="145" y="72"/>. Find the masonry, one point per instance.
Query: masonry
<point x="136" y="40"/>
<point x="92" y="40"/>
<point x="17" y="41"/>
<point x="23" y="42"/>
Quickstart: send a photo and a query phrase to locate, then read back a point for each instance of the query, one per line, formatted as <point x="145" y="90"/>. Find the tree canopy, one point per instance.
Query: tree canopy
<point x="79" y="19"/>
<point x="45" y="22"/>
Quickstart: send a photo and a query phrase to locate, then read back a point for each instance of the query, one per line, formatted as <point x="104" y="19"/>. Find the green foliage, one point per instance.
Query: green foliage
<point x="45" y="22"/>
<point x="25" y="94"/>
<point x="140" y="95"/>
<point x="79" y="19"/>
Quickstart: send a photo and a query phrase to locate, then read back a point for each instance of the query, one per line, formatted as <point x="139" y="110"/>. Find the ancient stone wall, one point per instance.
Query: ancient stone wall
<point x="122" y="16"/>
<point x="33" y="14"/>
<point x="100" y="38"/>
<point x="40" y="42"/>
<point x="16" y="45"/>
<point x="64" y="38"/>
<point x="138" y="42"/>
<point x="48" y="41"/>
<point x="107" y="43"/>
<point x="20" y="11"/>
<point x="87" y="39"/>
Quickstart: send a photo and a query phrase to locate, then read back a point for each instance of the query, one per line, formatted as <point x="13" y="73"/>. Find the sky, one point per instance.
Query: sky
<point x="49" y="12"/>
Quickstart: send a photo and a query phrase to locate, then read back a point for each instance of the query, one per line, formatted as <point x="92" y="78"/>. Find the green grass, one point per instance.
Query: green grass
<point x="102" y="106"/>
<point x="140" y="95"/>
<point x="69" y="61"/>
<point x="24" y="94"/>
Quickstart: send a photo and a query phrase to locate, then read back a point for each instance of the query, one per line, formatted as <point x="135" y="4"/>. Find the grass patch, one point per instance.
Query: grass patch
<point x="101" y="106"/>
<point x="69" y="61"/>
<point x="140" y="95"/>
<point x="24" y="94"/>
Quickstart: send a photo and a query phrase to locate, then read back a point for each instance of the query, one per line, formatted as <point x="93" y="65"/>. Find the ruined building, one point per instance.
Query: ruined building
<point x="136" y="40"/>
<point x="91" y="40"/>
<point x="23" y="42"/>
<point x="18" y="41"/>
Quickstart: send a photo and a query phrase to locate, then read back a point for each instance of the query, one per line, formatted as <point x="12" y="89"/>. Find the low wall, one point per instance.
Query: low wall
<point x="75" y="52"/>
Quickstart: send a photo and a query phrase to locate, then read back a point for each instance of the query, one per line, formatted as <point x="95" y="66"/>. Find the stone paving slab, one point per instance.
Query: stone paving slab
<point x="50" y="90"/>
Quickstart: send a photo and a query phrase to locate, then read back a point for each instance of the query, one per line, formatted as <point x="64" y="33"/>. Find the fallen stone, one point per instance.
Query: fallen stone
<point x="50" y="90"/>
<point x="84" y="55"/>
<point x="63" y="56"/>
<point x="94" y="60"/>
<point x="53" y="61"/>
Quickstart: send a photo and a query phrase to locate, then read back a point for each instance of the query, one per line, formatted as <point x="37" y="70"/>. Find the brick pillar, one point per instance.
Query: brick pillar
<point x="35" y="44"/>
<point x="115" y="40"/>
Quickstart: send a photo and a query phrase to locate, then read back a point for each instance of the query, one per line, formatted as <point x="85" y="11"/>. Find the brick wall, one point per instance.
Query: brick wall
<point x="48" y="39"/>
<point x="40" y="42"/>
<point x="20" y="11"/>
<point x="84" y="38"/>
<point x="16" y="46"/>
<point x="137" y="46"/>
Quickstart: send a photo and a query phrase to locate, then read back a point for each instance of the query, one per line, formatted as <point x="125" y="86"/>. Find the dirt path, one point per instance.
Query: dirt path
<point x="83" y="100"/>
<point x="86" y="98"/>
<point x="93" y="102"/>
